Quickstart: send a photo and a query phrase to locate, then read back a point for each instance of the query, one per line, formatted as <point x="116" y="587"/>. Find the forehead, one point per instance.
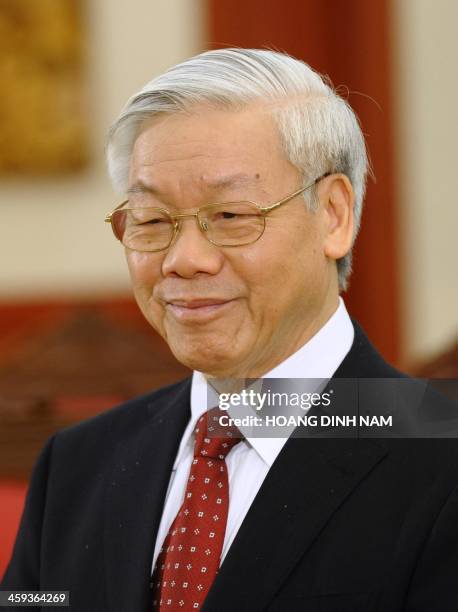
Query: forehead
<point x="207" y="145"/>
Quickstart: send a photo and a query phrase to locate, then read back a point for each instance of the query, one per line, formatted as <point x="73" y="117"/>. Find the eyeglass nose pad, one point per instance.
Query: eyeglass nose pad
<point x="204" y="226"/>
<point x="176" y="228"/>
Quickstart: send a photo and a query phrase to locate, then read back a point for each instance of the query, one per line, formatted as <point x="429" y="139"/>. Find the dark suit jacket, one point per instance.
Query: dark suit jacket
<point x="338" y="525"/>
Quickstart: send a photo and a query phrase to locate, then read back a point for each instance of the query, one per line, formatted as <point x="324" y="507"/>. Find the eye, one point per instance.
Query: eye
<point x="155" y="221"/>
<point x="148" y="218"/>
<point x="231" y="215"/>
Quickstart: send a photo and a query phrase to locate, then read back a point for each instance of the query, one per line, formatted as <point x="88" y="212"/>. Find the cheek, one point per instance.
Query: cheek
<point x="285" y="273"/>
<point x="145" y="272"/>
<point x="144" y="269"/>
<point x="266" y="274"/>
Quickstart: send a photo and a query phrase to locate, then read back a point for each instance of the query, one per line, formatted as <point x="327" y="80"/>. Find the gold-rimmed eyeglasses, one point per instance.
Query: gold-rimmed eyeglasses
<point x="227" y="224"/>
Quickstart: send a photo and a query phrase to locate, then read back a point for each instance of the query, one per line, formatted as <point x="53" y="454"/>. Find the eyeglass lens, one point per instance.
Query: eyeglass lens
<point x="150" y="229"/>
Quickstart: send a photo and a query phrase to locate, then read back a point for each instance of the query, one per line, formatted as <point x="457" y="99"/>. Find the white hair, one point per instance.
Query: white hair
<point x="318" y="129"/>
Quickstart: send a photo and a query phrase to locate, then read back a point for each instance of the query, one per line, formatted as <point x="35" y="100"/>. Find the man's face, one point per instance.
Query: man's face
<point x="235" y="311"/>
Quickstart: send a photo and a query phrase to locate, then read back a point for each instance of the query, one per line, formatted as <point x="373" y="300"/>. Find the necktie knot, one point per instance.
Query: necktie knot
<point x="209" y="444"/>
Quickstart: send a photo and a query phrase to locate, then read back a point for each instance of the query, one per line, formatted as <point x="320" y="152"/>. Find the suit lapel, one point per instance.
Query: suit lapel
<point x="141" y="471"/>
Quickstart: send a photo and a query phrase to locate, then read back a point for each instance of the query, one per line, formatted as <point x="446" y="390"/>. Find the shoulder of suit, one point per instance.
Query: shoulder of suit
<point x="131" y="414"/>
<point x="364" y="360"/>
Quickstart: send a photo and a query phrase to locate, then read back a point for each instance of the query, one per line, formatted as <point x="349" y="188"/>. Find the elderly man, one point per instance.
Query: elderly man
<point x="244" y="176"/>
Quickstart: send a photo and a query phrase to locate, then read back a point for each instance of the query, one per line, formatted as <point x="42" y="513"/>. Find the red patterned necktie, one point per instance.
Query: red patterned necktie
<point x="190" y="555"/>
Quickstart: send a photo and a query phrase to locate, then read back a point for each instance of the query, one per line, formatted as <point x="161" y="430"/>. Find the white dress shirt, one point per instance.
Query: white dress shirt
<point x="250" y="460"/>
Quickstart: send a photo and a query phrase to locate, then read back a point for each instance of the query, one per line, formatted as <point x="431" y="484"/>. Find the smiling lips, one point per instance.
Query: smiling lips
<point x="196" y="310"/>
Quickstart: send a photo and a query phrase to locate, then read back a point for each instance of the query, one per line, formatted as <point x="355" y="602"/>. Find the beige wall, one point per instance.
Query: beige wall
<point x="425" y="55"/>
<point x="66" y="249"/>
<point x="53" y="239"/>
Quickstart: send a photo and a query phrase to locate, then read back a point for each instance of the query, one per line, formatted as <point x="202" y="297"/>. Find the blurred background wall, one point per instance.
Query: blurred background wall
<point x="67" y="323"/>
<point x="424" y="51"/>
<point x="54" y="242"/>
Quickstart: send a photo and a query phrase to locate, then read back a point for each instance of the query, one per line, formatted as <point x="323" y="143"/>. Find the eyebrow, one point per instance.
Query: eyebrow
<point x="231" y="180"/>
<point x="141" y="187"/>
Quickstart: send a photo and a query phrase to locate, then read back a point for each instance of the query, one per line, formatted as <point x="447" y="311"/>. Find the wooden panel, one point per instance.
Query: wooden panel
<point x="63" y="362"/>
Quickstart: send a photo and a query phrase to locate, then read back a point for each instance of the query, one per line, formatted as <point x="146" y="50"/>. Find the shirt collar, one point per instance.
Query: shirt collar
<point x="318" y="358"/>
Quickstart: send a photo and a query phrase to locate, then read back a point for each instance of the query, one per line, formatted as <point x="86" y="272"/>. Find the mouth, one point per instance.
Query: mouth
<point x="197" y="310"/>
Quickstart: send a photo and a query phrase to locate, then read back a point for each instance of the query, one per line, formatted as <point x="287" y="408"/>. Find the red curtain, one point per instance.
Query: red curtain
<point x="349" y="40"/>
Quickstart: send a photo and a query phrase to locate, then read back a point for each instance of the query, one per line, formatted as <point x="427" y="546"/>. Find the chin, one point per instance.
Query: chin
<point x="205" y="352"/>
<point x="206" y="361"/>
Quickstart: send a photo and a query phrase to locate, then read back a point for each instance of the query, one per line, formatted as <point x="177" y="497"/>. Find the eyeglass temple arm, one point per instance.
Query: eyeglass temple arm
<point x="110" y="215"/>
<point x="296" y="193"/>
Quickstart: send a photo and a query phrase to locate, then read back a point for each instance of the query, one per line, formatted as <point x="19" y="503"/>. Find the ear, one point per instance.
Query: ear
<point x="337" y="198"/>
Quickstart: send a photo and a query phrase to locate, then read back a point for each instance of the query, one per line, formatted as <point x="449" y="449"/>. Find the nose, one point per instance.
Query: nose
<point x="191" y="253"/>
